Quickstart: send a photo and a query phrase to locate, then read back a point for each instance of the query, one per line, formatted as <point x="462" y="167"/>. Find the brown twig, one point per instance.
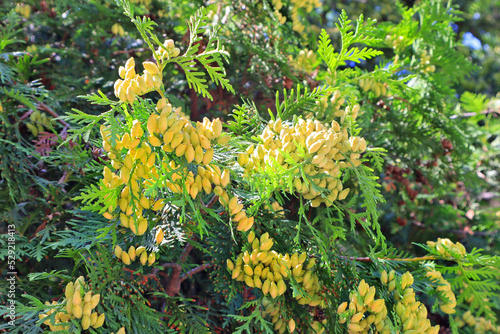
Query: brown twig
<point x="174" y="283"/>
<point x="47" y="109"/>
<point x="26" y="115"/>
<point x="367" y="259"/>
<point x="212" y="201"/>
<point x="195" y="271"/>
<point x="129" y="51"/>
<point x="185" y="252"/>
<point x="472" y="114"/>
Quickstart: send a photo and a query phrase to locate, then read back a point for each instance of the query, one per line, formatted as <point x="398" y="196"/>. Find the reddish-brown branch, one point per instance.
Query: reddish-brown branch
<point x="472" y="114"/>
<point x="195" y="271"/>
<point x="367" y="259"/>
<point x="185" y="252"/>
<point x="26" y="115"/>
<point x="129" y="51"/>
<point x="47" y="109"/>
<point x="212" y="202"/>
<point x="174" y="283"/>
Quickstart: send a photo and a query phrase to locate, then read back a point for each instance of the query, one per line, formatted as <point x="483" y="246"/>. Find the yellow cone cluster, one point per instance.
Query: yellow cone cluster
<point x="302" y="5"/>
<point x="323" y="146"/>
<point x="131" y="84"/>
<point x="276" y="208"/>
<point x="305" y="61"/>
<point x="60" y="317"/>
<point x="425" y="65"/>
<point x="447" y="249"/>
<point x="444" y="288"/>
<point x="378" y="88"/>
<point x="79" y="303"/>
<point x="297" y="5"/>
<point x="480" y="325"/>
<point x="23" y="9"/>
<point x="117" y="29"/>
<point x="134" y="160"/>
<point x="204" y="180"/>
<point x="175" y="133"/>
<point x="133" y="253"/>
<point x="389" y="279"/>
<point x="267" y="270"/>
<point x="327" y="111"/>
<point x="168" y="50"/>
<point x="135" y="171"/>
<point x="364" y="311"/>
<point x="412" y="313"/>
<point x="274" y="312"/>
<point x="277" y="6"/>
<point x="143" y="2"/>
<point x="38" y="122"/>
<point x="238" y="214"/>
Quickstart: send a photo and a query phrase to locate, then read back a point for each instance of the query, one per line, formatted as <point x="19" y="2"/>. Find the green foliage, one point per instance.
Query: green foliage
<point x="426" y="111"/>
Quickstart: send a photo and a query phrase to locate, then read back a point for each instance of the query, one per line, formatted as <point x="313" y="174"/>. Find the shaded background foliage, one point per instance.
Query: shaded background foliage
<point x="439" y="178"/>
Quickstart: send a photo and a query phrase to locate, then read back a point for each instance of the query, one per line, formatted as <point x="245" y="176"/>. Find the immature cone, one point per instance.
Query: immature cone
<point x="151" y="258"/>
<point x="291" y="325"/>
<point x="144" y="258"/>
<point x="100" y="321"/>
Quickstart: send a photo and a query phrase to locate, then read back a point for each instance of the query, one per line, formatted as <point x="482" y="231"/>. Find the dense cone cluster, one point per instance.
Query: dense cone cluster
<point x="297" y="6"/>
<point x="23" y="9"/>
<point x="444" y="288"/>
<point x="272" y="310"/>
<point x="321" y="148"/>
<point x="412" y="313"/>
<point x="238" y="214"/>
<point x="175" y="133"/>
<point x="131" y="84"/>
<point x="305" y="61"/>
<point x="480" y="325"/>
<point x="447" y="249"/>
<point x="135" y="170"/>
<point x="168" y="50"/>
<point x="364" y="310"/>
<point x="132" y="254"/>
<point x="327" y="111"/>
<point x="389" y="279"/>
<point x="378" y="88"/>
<point x="117" y="29"/>
<point x="79" y="303"/>
<point x="133" y="158"/>
<point x="267" y="270"/>
<point x="38" y="122"/>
